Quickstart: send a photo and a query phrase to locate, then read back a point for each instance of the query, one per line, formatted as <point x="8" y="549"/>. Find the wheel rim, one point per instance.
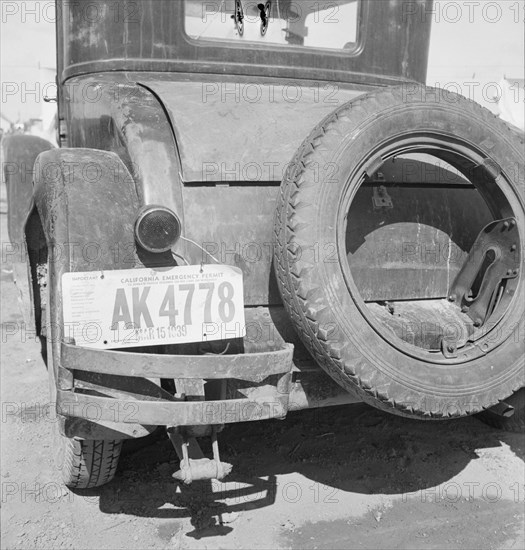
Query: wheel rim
<point x="495" y="189"/>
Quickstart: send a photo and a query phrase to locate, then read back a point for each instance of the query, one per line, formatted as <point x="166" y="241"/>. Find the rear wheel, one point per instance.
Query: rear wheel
<point x="87" y="463"/>
<point x="83" y="463"/>
<point x="366" y="322"/>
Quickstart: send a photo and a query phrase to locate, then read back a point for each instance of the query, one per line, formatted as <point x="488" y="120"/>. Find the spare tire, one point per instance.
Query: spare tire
<point x="320" y="294"/>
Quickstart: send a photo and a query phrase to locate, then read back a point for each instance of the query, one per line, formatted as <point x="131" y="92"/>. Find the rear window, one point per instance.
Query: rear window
<point x="319" y="24"/>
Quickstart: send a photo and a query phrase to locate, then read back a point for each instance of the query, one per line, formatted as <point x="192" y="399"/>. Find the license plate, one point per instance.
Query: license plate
<point x="144" y="307"/>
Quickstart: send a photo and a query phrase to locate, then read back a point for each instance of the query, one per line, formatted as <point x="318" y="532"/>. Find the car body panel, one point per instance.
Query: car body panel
<point x="210" y="117"/>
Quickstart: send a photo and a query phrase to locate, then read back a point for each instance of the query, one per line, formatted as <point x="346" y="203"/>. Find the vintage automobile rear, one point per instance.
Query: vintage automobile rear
<point x="256" y="208"/>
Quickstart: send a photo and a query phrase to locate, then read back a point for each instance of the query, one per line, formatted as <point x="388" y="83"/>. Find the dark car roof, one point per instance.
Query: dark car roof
<point x="392" y="45"/>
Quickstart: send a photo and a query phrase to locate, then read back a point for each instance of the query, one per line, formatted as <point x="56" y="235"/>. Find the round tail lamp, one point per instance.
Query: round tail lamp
<point x="157" y="228"/>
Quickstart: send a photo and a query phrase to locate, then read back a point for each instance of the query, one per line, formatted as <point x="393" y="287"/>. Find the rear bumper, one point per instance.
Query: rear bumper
<point x="121" y="389"/>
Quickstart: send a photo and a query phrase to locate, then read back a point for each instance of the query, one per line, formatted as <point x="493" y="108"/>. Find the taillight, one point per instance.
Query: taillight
<point x="157" y="228"/>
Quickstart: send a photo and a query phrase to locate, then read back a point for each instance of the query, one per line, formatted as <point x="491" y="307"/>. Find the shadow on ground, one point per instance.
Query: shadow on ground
<point x="352" y="448"/>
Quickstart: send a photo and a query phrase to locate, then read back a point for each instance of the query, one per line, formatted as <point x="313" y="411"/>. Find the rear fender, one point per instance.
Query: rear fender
<point x="87" y="203"/>
<point x="18" y="154"/>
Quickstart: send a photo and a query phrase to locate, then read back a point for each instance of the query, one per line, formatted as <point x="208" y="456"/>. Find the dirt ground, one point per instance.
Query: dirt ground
<point x="345" y="477"/>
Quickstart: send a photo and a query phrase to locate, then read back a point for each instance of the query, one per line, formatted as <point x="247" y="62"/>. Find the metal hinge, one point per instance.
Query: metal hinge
<point x="381" y="199"/>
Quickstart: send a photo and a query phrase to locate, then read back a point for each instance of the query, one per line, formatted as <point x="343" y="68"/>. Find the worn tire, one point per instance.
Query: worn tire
<point x="327" y="310"/>
<point x="88" y="463"/>
<point x="516" y="423"/>
<point x="83" y="463"/>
